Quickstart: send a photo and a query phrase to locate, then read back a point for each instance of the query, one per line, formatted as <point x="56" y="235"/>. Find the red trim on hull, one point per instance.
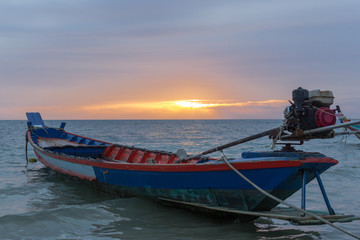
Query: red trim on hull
<point x="184" y="167"/>
<point x="320" y="160"/>
<point x="191" y="167"/>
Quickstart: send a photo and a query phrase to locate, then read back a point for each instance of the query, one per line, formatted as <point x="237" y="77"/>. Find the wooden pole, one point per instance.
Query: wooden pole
<point x="237" y="142"/>
<point x="322" y="129"/>
<point x="266" y="133"/>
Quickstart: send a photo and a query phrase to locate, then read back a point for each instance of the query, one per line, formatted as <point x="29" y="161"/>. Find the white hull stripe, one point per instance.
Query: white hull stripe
<point x="79" y="170"/>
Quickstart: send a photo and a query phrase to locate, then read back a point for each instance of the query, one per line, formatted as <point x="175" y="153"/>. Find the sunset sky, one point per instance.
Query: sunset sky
<point x="150" y="59"/>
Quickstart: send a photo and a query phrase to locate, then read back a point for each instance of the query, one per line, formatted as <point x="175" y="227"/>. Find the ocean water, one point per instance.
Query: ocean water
<point x="36" y="203"/>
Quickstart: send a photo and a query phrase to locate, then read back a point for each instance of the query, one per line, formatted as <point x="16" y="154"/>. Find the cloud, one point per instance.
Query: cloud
<point x="182" y="109"/>
<point x="65" y="53"/>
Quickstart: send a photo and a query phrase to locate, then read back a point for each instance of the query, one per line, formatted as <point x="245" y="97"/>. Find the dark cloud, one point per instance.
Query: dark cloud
<point x="246" y="49"/>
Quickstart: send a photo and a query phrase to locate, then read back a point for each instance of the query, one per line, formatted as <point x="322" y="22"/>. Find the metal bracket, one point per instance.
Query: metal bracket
<point x="322" y="188"/>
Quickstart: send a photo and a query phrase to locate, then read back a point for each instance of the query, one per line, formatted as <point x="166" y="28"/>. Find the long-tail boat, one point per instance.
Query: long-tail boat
<point x="197" y="181"/>
<point x="354" y="129"/>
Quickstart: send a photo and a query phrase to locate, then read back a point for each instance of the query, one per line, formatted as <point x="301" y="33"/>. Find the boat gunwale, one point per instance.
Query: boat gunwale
<point x="181" y="167"/>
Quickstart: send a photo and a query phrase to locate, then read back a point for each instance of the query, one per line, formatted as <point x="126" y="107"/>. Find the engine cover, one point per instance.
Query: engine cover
<point x="325" y="117"/>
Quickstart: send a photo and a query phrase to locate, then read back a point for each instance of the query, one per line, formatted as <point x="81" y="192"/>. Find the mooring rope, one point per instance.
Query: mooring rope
<point x="283" y="202"/>
<point x="344" y="137"/>
<point x="26" y="148"/>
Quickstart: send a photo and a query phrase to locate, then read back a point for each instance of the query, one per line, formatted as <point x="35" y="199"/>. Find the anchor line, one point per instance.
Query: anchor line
<point x="283" y="202"/>
<point x="26" y="149"/>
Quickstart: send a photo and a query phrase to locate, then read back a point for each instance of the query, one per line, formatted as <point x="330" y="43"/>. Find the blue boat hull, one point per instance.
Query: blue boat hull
<point x="225" y="188"/>
<point x="195" y="183"/>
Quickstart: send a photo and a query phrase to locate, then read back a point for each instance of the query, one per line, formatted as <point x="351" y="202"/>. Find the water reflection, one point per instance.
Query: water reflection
<point x="38" y="204"/>
<point x="80" y="210"/>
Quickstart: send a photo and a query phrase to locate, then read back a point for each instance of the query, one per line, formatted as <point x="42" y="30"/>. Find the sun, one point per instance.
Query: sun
<point x="192" y="104"/>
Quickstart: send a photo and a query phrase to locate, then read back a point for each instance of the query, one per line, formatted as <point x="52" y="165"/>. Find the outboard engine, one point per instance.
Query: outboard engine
<point x="309" y="110"/>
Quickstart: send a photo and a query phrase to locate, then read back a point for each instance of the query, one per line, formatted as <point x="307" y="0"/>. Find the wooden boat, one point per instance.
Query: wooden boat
<point x="131" y="171"/>
<point x="354" y="129"/>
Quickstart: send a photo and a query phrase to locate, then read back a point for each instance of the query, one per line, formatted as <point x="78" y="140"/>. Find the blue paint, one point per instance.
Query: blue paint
<point x="62" y="125"/>
<point x="47" y="132"/>
<point x="60" y="134"/>
<point x="35" y="119"/>
<point x="83" y="151"/>
<point x="299" y="155"/>
<point x="326" y="199"/>
<point x="265" y="178"/>
<point x="303" y="192"/>
<point x="227" y="190"/>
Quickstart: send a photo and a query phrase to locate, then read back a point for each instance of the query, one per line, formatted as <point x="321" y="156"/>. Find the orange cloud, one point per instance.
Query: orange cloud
<point x="181" y="109"/>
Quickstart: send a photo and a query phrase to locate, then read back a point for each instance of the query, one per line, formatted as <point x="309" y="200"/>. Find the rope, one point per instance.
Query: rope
<point x="26" y="148"/>
<point x="345" y="136"/>
<point x="283" y="202"/>
<point x="273" y="144"/>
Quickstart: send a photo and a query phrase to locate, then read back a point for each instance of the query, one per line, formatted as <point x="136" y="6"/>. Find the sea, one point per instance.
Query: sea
<point x="37" y="203"/>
